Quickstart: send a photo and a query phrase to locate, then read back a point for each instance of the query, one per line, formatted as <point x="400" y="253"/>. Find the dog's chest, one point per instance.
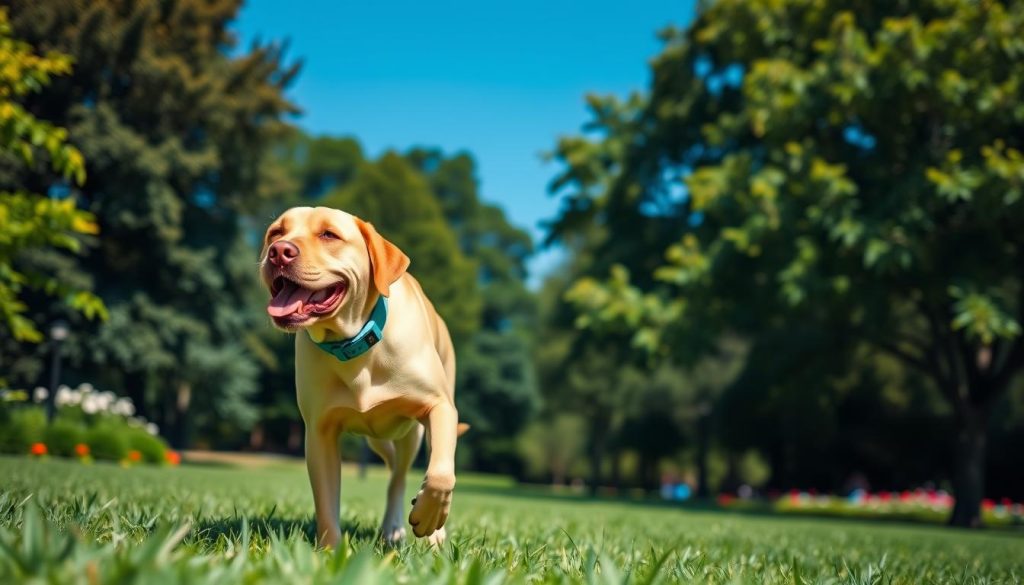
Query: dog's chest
<point x="379" y="425"/>
<point x="374" y="412"/>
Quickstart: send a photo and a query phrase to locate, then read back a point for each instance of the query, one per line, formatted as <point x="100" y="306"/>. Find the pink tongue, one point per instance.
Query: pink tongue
<point x="288" y="300"/>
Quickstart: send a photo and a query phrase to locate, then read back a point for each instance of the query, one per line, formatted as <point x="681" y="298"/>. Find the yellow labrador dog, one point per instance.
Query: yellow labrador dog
<point x="372" y="357"/>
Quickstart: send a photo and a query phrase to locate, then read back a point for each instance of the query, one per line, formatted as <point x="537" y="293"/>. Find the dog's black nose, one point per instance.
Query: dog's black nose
<point x="282" y="252"/>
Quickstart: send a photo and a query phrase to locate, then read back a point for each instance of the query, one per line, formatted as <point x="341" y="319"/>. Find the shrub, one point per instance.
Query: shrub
<point x="108" y="441"/>
<point x="24" y="427"/>
<point x="153" y="449"/>
<point x="62" y="436"/>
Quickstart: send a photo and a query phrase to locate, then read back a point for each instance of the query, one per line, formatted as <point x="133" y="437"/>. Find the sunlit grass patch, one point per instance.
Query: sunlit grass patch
<point x="65" y="522"/>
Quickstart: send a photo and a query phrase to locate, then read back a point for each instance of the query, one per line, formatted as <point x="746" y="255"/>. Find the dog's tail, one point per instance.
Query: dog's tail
<point x="462" y="428"/>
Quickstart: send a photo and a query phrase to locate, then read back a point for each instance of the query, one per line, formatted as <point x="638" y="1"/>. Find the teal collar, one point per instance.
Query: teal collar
<point x="369" y="336"/>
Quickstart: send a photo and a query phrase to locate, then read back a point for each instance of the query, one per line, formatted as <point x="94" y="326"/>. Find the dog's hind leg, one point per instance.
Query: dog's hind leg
<point x="398" y="455"/>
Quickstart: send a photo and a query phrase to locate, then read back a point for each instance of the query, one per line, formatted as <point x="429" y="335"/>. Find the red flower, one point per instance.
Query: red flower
<point x="988" y="504"/>
<point x="82" y="450"/>
<point x="173" y="458"/>
<point x="38" y="449"/>
<point x="725" y="499"/>
<point x="134" y="456"/>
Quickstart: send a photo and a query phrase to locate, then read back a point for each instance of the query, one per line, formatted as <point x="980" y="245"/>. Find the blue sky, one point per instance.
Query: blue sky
<point x="501" y="80"/>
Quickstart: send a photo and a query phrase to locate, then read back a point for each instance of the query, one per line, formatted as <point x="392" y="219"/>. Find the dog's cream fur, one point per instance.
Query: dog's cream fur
<point x="391" y="393"/>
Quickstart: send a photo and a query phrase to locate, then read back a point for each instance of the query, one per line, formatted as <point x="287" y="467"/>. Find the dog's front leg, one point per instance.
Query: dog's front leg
<point x="323" y="461"/>
<point x="433" y="502"/>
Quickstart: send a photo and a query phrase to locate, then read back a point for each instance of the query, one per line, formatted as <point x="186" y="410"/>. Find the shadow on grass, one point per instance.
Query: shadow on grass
<point x="212" y="530"/>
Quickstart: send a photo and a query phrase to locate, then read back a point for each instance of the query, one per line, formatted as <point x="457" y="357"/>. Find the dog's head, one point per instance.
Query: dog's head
<point x="319" y="262"/>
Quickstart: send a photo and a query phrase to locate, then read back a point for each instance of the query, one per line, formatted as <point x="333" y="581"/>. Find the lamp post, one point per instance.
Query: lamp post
<point x="58" y="333"/>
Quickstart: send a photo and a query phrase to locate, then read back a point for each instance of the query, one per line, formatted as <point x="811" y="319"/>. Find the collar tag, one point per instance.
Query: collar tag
<point x="370" y="335"/>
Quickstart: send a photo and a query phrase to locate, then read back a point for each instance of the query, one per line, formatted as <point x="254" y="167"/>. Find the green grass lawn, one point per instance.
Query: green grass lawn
<point x="61" y="522"/>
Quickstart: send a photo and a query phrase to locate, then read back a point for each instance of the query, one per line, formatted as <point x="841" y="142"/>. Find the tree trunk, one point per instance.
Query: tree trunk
<point x="183" y="399"/>
<point x="969" y="468"/>
<point x="256" y="437"/>
<point x="596" y="459"/>
<point x="135" y="389"/>
<point x="558" y="474"/>
<point x="617" y="470"/>
<point x="702" y="457"/>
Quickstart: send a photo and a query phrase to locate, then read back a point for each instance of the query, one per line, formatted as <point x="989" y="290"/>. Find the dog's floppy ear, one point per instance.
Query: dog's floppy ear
<point x="387" y="262"/>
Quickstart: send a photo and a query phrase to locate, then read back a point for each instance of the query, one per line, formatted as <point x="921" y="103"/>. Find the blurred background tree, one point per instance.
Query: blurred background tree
<point x="175" y="133"/>
<point x="836" y="181"/>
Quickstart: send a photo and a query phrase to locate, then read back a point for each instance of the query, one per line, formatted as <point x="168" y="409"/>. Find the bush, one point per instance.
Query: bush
<point x="85" y="417"/>
<point x="24" y="427"/>
<point x="153" y="449"/>
<point x="62" y="436"/>
<point x="108" y="441"/>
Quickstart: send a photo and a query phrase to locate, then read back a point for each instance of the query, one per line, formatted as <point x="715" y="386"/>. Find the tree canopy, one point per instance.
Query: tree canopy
<point x="854" y="172"/>
<point x="175" y="132"/>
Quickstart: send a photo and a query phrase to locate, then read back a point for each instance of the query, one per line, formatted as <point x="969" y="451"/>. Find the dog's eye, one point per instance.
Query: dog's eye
<point x="329" y="235"/>
<point x="274" y="234"/>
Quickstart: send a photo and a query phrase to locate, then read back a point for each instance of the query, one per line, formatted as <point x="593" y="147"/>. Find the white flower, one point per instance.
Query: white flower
<point x="123" y="407"/>
<point x="40" y="394"/>
<point x="105" y="400"/>
<point x="63" y="397"/>
<point x="90" y="405"/>
<point x="152" y="429"/>
<point x="85" y="387"/>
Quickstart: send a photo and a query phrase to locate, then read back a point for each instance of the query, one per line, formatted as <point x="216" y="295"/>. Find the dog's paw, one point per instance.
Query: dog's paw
<point x="329" y="538"/>
<point x="438" y="537"/>
<point x="431" y="505"/>
<point x="392" y="534"/>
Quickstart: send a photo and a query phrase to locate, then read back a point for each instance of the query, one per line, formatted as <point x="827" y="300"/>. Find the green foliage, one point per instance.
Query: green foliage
<point x="497" y="387"/>
<point x="554" y="448"/>
<point x="60" y="521"/>
<point x="392" y="195"/>
<point x="23" y="428"/>
<point x="62" y="435"/>
<point x="31" y="222"/>
<point x="753" y="469"/>
<point x="108" y="441"/>
<point x="823" y="172"/>
<point x="177" y="128"/>
<point x="153" y="450"/>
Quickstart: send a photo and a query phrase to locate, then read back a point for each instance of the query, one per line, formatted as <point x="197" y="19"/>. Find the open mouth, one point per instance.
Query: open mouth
<point x="291" y="303"/>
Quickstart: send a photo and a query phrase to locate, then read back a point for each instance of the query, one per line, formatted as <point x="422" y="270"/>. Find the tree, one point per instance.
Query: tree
<point x="553" y="447"/>
<point x="176" y="132"/>
<point x="858" y="172"/>
<point x="30" y="222"/>
<point x="497" y="383"/>
<point x="398" y="201"/>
